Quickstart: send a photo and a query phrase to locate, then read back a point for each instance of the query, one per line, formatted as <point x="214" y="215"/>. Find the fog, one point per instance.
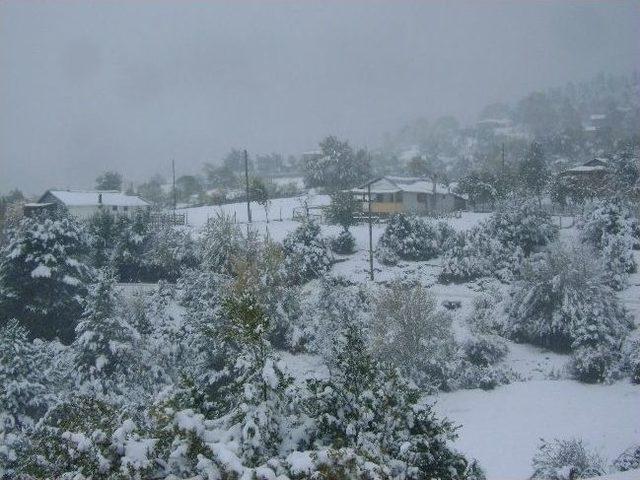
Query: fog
<point x="129" y="86"/>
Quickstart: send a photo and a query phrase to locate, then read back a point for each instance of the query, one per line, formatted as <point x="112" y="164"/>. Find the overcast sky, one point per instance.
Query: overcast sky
<point x="100" y="85"/>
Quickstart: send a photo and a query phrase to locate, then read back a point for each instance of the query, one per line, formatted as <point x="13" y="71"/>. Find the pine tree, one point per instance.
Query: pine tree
<point x="306" y="253"/>
<point x="105" y="345"/>
<point x="367" y="407"/>
<point x="43" y="275"/>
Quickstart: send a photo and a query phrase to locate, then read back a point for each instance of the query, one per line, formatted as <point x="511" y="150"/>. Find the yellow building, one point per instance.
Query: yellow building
<point x="416" y="195"/>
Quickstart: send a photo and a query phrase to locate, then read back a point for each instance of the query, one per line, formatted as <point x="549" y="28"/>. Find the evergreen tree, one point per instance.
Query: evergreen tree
<point x="109" y="181"/>
<point x="43" y="275"/>
<point x="306" y="253"/>
<point x="534" y="172"/>
<point x="338" y="168"/>
<point x="369" y="408"/>
<point x="105" y="346"/>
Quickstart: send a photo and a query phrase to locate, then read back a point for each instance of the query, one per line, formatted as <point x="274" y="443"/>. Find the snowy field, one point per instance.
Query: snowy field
<point x="501" y="427"/>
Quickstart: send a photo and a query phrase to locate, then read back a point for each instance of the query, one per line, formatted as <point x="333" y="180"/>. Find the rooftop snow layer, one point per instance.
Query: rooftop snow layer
<point x="86" y="198"/>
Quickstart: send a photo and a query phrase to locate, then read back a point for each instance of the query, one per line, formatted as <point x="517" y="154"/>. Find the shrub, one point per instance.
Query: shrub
<point x="478" y="253"/>
<point x="485" y="350"/>
<point x="628" y="460"/>
<point x="631" y="355"/>
<point x="333" y="305"/>
<point x="386" y="255"/>
<point x="410" y="237"/>
<point x="306" y="253"/>
<point x="413" y="335"/>
<point x="566" y="460"/>
<point x="497" y="246"/>
<point x="344" y="243"/>
<point x="608" y="227"/>
<point x="220" y="244"/>
<point x="563" y="303"/>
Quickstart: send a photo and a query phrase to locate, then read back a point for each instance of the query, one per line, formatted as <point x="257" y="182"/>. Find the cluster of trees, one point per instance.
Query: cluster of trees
<point x="143" y="389"/>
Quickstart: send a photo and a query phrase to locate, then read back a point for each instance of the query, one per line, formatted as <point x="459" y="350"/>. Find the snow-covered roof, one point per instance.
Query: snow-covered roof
<point x="393" y="184"/>
<point x="78" y="198"/>
<point x="587" y="168"/>
<point x="597" y="116"/>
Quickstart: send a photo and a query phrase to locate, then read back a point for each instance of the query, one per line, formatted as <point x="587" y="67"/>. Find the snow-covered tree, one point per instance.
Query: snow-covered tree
<point x="413" y="335"/>
<point x="26" y="392"/>
<point x="335" y="303"/>
<point x="341" y="211"/>
<point x="306" y="254"/>
<point x="534" y="172"/>
<point x="220" y="244"/>
<point x="368" y="408"/>
<point x="498" y="245"/>
<point x="563" y="303"/>
<point x="170" y="250"/>
<point x="106" y="345"/>
<point x="128" y="256"/>
<point x="608" y="227"/>
<point x="338" y="168"/>
<point x="43" y="275"/>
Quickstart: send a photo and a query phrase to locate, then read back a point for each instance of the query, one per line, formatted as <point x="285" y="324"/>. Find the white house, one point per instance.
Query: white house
<point x="392" y="194"/>
<point x="85" y="203"/>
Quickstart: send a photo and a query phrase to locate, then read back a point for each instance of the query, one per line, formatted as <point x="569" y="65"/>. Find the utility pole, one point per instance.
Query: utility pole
<point x="503" y="164"/>
<point x="370" y="233"/>
<point x="173" y="169"/>
<point x="246" y="181"/>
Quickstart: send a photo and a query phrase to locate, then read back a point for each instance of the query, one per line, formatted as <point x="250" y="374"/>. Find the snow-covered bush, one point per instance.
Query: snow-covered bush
<point x="608" y="227"/>
<point x="483" y="319"/>
<point x="86" y="438"/>
<point x="334" y="303"/>
<point x="344" y="243"/>
<point x="170" y="250"/>
<point x="43" y="275"/>
<point x="470" y="376"/>
<point x="106" y="346"/>
<point x="498" y="245"/>
<point x="367" y="406"/>
<point x="522" y="223"/>
<point x="485" y="350"/>
<point x="413" y="335"/>
<point x="386" y="255"/>
<point x="628" y="460"/>
<point x="563" y="303"/>
<point x="306" y="254"/>
<point x="265" y="275"/>
<point x="631" y="356"/>
<point x="132" y="242"/>
<point x="220" y="244"/>
<point x="26" y="392"/>
<point x="410" y="237"/>
<point x="566" y="460"/>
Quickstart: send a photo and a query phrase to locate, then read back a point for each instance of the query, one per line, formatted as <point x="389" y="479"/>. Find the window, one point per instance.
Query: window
<point x="114" y="208"/>
<point x="125" y="208"/>
<point x="379" y="197"/>
<point x="399" y="197"/>
<point x="422" y="198"/>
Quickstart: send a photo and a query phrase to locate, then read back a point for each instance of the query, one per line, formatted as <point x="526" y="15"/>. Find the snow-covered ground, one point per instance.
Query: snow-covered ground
<point x="502" y="427"/>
